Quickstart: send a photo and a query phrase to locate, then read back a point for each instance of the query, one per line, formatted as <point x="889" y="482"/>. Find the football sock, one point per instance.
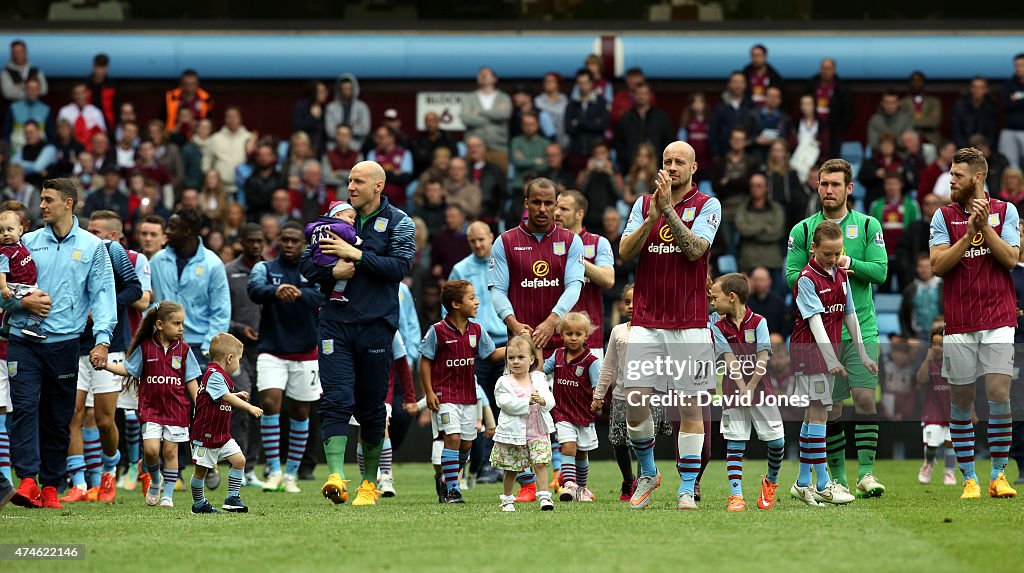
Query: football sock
<point x="835" y="440"/>
<point x="950" y="459"/>
<point x="556" y="455"/>
<point x="806" y="459"/>
<point x="298" y="433"/>
<point x="235" y="482"/>
<point x="334" y="451"/>
<point x="816" y="449"/>
<point x="688" y="463"/>
<point x="866" y="436"/>
<point x="359" y="458"/>
<point x="270" y="433"/>
<point x="92" y="449"/>
<point x="170" y="478"/>
<point x="198" y="495"/>
<point x="109" y="463"/>
<point x="641" y="439"/>
<point x="371" y="457"/>
<point x="5" y="448"/>
<point x="582" y="471"/>
<point x="568" y="473"/>
<point x="526" y="478"/>
<point x="961" y="431"/>
<point x="705" y="452"/>
<point x="133" y="435"/>
<point x="386" y="457"/>
<point x="154" y="476"/>
<point x="734" y="465"/>
<point x="76" y="467"/>
<point x="463" y="458"/>
<point x="450" y="469"/>
<point x="1000" y="434"/>
<point x="776" y="451"/>
<point x="624" y="461"/>
<point x="929" y="454"/>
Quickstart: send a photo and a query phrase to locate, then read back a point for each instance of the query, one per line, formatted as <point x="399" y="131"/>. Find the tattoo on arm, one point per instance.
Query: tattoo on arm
<point x="692" y="245"/>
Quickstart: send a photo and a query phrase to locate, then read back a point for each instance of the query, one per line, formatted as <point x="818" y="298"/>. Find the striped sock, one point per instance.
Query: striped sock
<point x="235" y="482"/>
<point x="582" y="471"/>
<point x="866" y="436"/>
<point x="806" y="460"/>
<point x="835" y="445"/>
<point x="961" y="431"/>
<point x="5" y="448"/>
<point x="1000" y="433"/>
<point x="688" y="463"/>
<point x="270" y="434"/>
<point x="526" y="478"/>
<point x="734" y="465"/>
<point x="76" y="467"/>
<point x="387" y="456"/>
<point x="643" y="449"/>
<point x="154" y="476"/>
<point x="132" y="435"/>
<point x="170" y="478"/>
<point x="776" y="451"/>
<point x="816" y="450"/>
<point x="92" y="449"/>
<point x="568" y="473"/>
<point x="450" y="469"/>
<point x="198" y="495"/>
<point x="298" y="433"/>
<point x="359" y="458"/>
<point x="556" y="455"/>
<point x="109" y="463"/>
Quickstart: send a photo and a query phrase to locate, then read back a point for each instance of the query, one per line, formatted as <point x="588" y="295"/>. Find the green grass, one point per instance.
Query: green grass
<point x="914" y="527"/>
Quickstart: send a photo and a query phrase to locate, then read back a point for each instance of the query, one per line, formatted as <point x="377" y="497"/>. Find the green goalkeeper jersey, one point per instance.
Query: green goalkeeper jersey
<point x="864" y="244"/>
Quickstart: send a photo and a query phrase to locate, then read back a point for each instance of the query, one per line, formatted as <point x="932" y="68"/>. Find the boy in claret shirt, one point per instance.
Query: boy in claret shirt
<point x="824" y="302"/>
<point x="742" y="341"/>
<point x="576" y="371"/>
<point x="448" y="356"/>
<point x="340" y="219"/>
<point x="211" y="429"/>
<point x="935" y="413"/>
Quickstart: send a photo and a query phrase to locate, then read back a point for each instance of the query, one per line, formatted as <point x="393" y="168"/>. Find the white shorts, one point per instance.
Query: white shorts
<point x="300" y="380"/>
<point x="5" y="389"/>
<point x="455" y="419"/>
<point x="128" y="399"/>
<point x="766" y="420"/>
<point x="584" y="436"/>
<point x="353" y="422"/>
<point x="154" y="431"/>
<point x="689" y="351"/>
<point x="934" y="435"/>
<point x="98" y="381"/>
<point x="969" y="355"/>
<point x="435" y="452"/>
<point x="816" y="387"/>
<point x="209" y="457"/>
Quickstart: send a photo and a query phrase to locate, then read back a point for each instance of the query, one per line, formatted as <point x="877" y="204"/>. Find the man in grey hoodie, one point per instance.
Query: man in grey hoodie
<point x="348" y="109"/>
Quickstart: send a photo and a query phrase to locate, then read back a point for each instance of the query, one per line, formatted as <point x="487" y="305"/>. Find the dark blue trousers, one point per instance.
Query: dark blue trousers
<point x="355" y="360"/>
<point x="44" y="378"/>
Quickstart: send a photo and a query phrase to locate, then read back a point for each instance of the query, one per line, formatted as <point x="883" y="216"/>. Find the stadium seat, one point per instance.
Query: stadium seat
<point x="885" y="302"/>
<point x="888" y="323"/>
<point x="727" y="264"/>
<point x="852" y="151"/>
<point x="706" y="188"/>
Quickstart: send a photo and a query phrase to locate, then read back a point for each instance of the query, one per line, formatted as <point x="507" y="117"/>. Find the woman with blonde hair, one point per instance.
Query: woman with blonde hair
<point x="640" y="180"/>
<point x="213" y="197"/>
<point x="300" y="150"/>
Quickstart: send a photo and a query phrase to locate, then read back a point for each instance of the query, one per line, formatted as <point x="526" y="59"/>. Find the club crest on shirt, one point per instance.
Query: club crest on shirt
<point x="560" y="248"/>
<point x="579" y="371"/>
<point x="588" y="251"/>
<point x="748" y="335"/>
<point x="852" y="232"/>
<point x="12" y="369"/>
<point x="993" y="219"/>
<point x="176" y="362"/>
<point x="76" y="255"/>
<point x="689" y="213"/>
<point x="380" y="225"/>
<point x="472" y="341"/>
<point x="328" y="345"/>
<point x="200" y="270"/>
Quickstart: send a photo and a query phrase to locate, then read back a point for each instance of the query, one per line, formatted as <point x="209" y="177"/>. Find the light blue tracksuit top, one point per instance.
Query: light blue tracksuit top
<point x="76" y="273"/>
<point x="202" y="289"/>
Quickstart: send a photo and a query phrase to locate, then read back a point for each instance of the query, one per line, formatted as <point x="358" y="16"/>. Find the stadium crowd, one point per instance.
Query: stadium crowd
<point x="195" y="190"/>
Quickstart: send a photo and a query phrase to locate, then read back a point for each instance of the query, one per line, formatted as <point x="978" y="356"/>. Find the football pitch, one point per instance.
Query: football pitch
<point x="913" y="527"/>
